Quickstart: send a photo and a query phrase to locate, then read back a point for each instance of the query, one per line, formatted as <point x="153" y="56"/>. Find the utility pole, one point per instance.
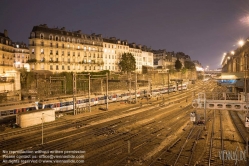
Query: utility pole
<point x="130" y="84"/>
<point x="136" y="88"/>
<point x="50" y="85"/>
<point x="89" y="88"/>
<point x="36" y="80"/>
<point x="74" y="91"/>
<point x="101" y="86"/>
<point x="168" y="82"/>
<point x="65" y="84"/>
<point x="106" y="91"/>
<point x="42" y="128"/>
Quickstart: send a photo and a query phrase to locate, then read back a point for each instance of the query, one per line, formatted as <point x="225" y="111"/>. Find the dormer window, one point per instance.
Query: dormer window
<point x="32" y="34"/>
<point x="41" y="36"/>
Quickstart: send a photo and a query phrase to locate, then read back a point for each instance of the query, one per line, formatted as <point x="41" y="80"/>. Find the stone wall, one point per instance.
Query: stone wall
<point x="45" y="89"/>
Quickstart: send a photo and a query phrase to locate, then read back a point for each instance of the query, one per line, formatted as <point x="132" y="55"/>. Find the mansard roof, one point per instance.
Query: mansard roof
<point x="62" y="32"/>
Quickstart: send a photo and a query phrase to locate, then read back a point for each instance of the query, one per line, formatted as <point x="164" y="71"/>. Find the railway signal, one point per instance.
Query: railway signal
<point x="247" y="121"/>
<point x="192" y="116"/>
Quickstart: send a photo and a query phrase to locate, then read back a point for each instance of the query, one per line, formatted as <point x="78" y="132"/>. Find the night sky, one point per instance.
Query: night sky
<point x="202" y="29"/>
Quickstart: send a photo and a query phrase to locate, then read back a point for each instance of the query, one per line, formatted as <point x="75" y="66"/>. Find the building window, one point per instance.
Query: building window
<point x="62" y="68"/>
<point x="68" y="67"/>
<point x="56" y="45"/>
<point x="68" y="46"/>
<point x="62" y="45"/>
<point x="42" y="43"/>
<point x="62" y="53"/>
<point x="51" y="67"/>
<point x="50" y="37"/>
<point x="57" y="67"/>
<point x="56" y="52"/>
<point x="57" y="59"/>
<point x="51" y="52"/>
<point x="42" y="51"/>
<point x="68" y="60"/>
<point x="73" y="53"/>
<point x="41" y="36"/>
<point x="85" y="68"/>
<point x="78" y="53"/>
<point x="68" y="53"/>
<point x="33" y="51"/>
<point x="56" y="38"/>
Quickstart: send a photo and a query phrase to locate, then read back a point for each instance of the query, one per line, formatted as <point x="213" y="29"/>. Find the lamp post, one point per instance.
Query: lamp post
<point x="42" y="126"/>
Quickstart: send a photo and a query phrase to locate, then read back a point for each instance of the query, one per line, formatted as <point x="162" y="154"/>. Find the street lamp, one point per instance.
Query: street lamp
<point x="241" y="43"/>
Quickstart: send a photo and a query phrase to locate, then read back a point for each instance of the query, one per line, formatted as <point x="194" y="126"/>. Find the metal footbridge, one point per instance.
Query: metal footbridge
<point x="237" y="104"/>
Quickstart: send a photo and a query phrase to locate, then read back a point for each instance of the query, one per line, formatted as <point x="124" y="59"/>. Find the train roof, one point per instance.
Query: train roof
<point x="17" y="106"/>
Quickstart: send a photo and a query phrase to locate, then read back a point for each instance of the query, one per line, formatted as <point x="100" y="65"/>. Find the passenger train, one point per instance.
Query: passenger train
<point x="66" y="104"/>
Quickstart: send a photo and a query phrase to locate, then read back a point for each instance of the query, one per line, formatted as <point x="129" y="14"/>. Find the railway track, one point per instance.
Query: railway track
<point x="181" y="151"/>
<point x="80" y="133"/>
<point x="142" y="141"/>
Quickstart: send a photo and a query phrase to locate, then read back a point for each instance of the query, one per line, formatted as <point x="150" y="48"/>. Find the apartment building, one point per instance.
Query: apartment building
<point x="136" y="51"/>
<point x="58" y="50"/>
<point x="21" y="56"/>
<point x="9" y="77"/>
<point x="6" y="51"/>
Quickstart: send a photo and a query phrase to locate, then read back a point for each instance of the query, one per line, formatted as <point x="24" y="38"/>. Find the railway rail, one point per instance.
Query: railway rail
<point x="63" y="140"/>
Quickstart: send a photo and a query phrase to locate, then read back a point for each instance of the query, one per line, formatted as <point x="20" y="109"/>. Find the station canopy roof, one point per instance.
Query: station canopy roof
<point x="231" y="76"/>
<point x="231" y="79"/>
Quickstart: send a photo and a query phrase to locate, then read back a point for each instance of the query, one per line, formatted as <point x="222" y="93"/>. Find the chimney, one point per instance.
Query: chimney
<point x="5" y="33"/>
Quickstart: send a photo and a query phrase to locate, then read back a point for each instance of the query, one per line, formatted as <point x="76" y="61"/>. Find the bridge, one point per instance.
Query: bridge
<point x="239" y="104"/>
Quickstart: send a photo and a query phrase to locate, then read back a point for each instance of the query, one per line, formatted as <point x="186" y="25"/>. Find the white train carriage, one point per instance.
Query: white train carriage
<point x="57" y="105"/>
<point x="11" y="111"/>
<point x="155" y="92"/>
<point x="182" y="87"/>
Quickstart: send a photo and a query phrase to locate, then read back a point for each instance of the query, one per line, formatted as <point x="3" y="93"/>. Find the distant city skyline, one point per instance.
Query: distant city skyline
<point x="204" y="30"/>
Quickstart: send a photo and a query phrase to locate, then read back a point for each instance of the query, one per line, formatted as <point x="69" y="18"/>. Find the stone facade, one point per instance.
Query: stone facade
<point x="58" y="50"/>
